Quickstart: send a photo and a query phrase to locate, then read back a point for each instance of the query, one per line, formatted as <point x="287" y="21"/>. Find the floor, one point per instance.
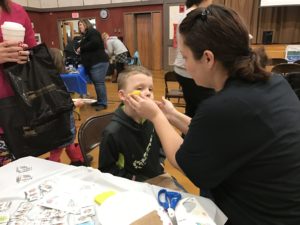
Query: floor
<point x="113" y="102"/>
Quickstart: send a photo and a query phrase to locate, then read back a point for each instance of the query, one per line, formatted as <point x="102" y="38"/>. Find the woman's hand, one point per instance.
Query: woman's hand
<point x="13" y="51"/>
<point x="166" y="107"/>
<point x="145" y="107"/>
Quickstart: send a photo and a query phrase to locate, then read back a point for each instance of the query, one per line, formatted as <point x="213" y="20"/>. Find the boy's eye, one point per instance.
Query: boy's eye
<point x="151" y="89"/>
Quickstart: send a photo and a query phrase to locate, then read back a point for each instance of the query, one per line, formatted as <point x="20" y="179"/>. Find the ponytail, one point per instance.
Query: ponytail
<point x="250" y="68"/>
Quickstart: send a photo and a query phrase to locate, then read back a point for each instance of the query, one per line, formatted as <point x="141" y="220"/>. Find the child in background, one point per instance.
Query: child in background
<point x="73" y="150"/>
<point x="130" y="147"/>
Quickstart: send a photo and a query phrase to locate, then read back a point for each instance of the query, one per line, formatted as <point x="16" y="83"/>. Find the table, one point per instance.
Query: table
<point x="78" y="180"/>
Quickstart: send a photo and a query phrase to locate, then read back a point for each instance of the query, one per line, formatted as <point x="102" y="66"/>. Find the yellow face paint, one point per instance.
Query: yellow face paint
<point x="135" y="92"/>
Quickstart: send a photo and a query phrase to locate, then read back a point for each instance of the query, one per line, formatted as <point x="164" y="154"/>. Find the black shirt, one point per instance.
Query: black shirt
<point x="244" y="145"/>
<point x="92" y="49"/>
<point x="130" y="149"/>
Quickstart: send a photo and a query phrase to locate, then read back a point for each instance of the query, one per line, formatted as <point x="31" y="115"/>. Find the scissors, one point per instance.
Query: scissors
<point x="168" y="200"/>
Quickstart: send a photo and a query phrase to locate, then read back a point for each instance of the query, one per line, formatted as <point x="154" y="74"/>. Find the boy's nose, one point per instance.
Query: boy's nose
<point x="147" y="93"/>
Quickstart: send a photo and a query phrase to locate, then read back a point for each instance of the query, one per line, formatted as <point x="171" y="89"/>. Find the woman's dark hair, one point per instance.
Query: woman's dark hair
<point x="190" y="3"/>
<point x="86" y="23"/>
<point x="4" y="4"/>
<point x="222" y="31"/>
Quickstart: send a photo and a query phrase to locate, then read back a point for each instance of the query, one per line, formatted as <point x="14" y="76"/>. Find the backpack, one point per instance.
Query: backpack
<point x="44" y="103"/>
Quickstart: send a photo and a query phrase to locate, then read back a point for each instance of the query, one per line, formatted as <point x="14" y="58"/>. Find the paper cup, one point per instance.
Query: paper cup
<point x="12" y="31"/>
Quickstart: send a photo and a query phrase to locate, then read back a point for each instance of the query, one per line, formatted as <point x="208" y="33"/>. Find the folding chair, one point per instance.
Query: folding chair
<point x="285" y="68"/>
<point x="294" y="81"/>
<point x="90" y="134"/>
<point x="276" y="61"/>
<point x="170" y="92"/>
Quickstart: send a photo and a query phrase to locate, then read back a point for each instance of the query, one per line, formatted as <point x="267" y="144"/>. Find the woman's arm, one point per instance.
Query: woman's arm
<point x="176" y="118"/>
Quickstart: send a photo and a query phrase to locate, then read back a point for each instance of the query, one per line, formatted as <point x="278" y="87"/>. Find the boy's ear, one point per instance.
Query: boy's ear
<point x="122" y="94"/>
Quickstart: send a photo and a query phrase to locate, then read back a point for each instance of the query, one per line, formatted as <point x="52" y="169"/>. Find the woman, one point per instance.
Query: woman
<point x="117" y="48"/>
<point x="12" y="51"/>
<point x="192" y="93"/>
<point x="243" y="143"/>
<point x="94" y="59"/>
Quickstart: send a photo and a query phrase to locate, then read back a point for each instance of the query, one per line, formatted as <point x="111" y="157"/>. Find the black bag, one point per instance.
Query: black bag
<point x="44" y="103"/>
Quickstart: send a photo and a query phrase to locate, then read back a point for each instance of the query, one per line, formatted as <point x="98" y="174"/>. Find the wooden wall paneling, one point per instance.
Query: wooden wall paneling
<point x="157" y="44"/>
<point x="220" y="2"/>
<point x="129" y="32"/>
<point x="248" y="10"/>
<point x="283" y="21"/>
<point x="144" y="39"/>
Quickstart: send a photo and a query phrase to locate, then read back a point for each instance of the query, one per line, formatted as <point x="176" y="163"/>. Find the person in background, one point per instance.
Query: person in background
<point x="243" y="143"/>
<point x="130" y="147"/>
<point x="192" y="93"/>
<point x="73" y="150"/>
<point x="12" y="52"/>
<point x="71" y="56"/>
<point x="115" y="47"/>
<point x="94" y="59"/>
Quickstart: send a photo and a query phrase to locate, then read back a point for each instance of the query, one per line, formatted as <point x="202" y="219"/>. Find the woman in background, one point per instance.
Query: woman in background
<point x="13" y="52"/>
<point x="115" y="47"/>
<point x="94" y="59"/>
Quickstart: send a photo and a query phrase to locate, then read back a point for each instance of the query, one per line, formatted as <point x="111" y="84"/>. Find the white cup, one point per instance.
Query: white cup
<point x="12" y="31"/>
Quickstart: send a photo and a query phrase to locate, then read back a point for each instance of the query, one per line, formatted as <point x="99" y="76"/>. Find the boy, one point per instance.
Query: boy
<point x="130" y="147"/>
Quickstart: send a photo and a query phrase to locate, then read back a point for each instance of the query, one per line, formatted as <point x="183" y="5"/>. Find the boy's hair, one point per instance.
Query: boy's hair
<point x="130" y="71"/>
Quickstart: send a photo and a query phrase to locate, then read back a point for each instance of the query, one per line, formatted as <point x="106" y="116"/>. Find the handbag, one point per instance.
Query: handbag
<point x="44" y="103"/>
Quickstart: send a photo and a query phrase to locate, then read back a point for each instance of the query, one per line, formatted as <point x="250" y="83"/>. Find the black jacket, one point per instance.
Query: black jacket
<point x="131" y="150"/>
<point x="92" y="49"/>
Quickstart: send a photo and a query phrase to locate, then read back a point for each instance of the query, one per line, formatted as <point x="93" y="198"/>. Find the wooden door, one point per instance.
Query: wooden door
<point x="143" y="33"/>
<point x="144" y="40"/>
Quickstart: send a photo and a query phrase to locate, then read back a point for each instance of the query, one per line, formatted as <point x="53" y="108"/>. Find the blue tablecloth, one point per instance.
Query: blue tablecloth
<point x="77" y="81"/>
<point x="74" y="83"/>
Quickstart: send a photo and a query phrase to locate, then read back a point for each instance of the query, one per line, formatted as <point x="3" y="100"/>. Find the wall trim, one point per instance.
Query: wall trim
<point x="112" y="5"/>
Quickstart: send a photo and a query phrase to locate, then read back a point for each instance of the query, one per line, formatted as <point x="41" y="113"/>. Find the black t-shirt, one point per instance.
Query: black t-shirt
<point x="244" y="145"/>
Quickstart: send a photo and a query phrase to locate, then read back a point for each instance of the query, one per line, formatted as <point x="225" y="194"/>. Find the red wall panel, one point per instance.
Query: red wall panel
<point x="46" y="23"/>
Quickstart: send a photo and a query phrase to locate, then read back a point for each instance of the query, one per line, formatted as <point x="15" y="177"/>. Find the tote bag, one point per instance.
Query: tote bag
<point x="45" y="105"/>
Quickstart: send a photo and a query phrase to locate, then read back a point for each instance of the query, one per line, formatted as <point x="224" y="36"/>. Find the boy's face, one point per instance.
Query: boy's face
<point x="139" y="82"/>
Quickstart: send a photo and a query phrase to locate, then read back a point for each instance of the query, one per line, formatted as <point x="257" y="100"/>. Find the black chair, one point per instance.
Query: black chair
<point x="297" y="61"/>
<point x="294" y="81"/>
<point x="172" y="88"/>
<point x="285" y="68"/>
<point x="90" y="133"/>
<point x="276" y="61"/>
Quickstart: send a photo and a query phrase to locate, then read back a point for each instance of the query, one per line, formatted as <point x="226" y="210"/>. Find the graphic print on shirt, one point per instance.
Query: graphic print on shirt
<point x="139" y="164"/>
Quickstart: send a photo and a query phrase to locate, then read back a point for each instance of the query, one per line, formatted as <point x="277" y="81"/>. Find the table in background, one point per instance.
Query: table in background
<point x="77" y="81"/>
<point x="42" y="170"/>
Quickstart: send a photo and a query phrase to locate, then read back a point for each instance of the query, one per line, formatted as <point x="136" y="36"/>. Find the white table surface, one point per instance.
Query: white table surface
<point x="86" y="177"/>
